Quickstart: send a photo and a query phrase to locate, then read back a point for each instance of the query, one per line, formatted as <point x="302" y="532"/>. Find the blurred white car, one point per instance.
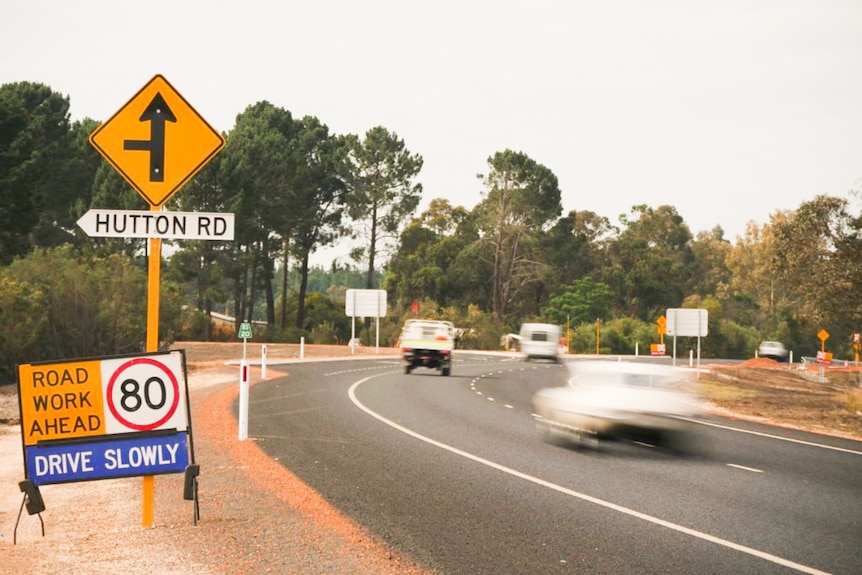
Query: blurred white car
<point x="773" y="350"/>
<point x="619" y="400"/>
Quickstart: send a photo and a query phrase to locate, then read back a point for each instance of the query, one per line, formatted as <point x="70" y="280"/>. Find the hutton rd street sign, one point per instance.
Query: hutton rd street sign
<point x="167" y="225"/>
<point x="157" y="141"/>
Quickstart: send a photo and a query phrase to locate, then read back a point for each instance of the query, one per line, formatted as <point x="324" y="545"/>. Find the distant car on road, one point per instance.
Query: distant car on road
<point x="427" y="343"/>
<point x="540" y="341"/>
<point x="772" y="350"/>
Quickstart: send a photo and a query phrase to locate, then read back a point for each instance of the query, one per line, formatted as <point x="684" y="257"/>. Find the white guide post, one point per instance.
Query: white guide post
<point x="243" y="400"/>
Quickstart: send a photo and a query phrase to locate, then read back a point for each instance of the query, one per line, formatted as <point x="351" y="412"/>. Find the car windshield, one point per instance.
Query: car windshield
<point x="628" y="375"/>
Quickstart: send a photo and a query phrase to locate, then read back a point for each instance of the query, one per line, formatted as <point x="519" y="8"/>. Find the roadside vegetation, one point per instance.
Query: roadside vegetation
<point x="296" y="188"/>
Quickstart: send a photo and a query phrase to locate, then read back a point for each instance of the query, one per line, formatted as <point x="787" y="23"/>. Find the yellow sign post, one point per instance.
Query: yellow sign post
<point x="823" y="335"/>
<point x="822" y="356"/>
<point x="157" y="142"/>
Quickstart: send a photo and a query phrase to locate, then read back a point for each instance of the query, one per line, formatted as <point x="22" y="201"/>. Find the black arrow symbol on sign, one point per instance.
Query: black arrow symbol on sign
<point x="157" y="113"/>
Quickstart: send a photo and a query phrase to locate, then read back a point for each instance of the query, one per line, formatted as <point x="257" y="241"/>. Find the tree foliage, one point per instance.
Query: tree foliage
<point x="383" y="193"/>
<point x="39" y="177"/>
<point x="521" y="198"/>
<point x="61" y="303"/>
<point x="295" y="187"/>
<point x="583" y="301"/>
<point x="650" y="262"/>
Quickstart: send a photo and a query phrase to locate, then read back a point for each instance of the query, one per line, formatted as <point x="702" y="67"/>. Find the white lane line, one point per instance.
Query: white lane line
<point x="744" y="468"/>
<point x="583" y="496"/>
<point x="770" y="436"/>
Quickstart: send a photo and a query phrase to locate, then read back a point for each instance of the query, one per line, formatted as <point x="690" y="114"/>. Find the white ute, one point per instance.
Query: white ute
<point x="427" y="343"/>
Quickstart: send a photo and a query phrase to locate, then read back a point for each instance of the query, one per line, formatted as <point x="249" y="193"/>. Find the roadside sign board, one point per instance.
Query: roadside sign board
<point x="98" y="223"/>
<point x="657" y="349"/>
<point x="365" y="303"/>
<point x="244" y="330"/>
<point x="157" y="141"/>
<point x="104" y="418"/>
<point x="687" y="322"/>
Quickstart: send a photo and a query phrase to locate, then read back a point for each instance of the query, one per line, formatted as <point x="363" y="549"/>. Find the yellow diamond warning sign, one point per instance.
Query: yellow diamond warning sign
<point x="157" y="141"/>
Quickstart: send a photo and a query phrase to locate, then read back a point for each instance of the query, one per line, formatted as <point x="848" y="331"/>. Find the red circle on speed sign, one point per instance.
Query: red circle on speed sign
<point x="138" y="402"/>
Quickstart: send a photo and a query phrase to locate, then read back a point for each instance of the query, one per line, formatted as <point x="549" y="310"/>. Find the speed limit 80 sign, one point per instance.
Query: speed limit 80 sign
<point x="127" y="414"/>
<point x="144" y="394"/>
<point x="102" y="397"/>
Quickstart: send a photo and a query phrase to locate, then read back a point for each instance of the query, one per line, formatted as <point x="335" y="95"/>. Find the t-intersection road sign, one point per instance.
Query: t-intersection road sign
<point x="157" y="141"/>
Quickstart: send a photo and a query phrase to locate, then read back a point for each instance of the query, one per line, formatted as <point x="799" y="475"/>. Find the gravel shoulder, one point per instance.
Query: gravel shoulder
<point x="257" y="517"/>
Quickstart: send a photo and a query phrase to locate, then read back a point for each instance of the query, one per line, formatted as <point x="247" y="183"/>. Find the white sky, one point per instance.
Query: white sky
<point x="726" y="110"/>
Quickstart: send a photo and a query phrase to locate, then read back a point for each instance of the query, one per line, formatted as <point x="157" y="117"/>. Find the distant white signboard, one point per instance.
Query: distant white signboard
<point x="687" y="322"/>
<point x="365" y="303"/>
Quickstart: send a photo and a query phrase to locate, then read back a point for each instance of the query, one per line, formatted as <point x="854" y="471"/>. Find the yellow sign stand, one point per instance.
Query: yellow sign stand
<point x="153" y="301"/>
<point x="157" y="142"/>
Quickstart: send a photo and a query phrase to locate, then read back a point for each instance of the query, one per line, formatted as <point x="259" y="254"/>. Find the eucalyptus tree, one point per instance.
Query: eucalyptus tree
<point x="38" y="185"/>
<point x="649" y="267"/>
<point x="577" y="242"/>
<point x="204" y="264"/>
<point x="317" y="195"/>
<point x="758" y="295"/>
<point x="521" y="199"/>
<point x="819" y="248"/>
<point x="427" y="249"/>
<point x="574" y="248"/>
<point x="382" y="192"/>
<point x="710" y="274"/>
<point x="583" y="301"/>
<point x="255" y="173"/>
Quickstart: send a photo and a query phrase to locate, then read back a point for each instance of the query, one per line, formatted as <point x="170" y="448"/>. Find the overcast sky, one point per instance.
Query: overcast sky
<point x="728" y="110"/>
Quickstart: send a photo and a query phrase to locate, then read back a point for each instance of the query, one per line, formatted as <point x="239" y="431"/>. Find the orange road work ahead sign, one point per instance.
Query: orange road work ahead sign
<point x="157" y="141"/>
<point x="88" y="398"/>
<point x="103" y="418"/>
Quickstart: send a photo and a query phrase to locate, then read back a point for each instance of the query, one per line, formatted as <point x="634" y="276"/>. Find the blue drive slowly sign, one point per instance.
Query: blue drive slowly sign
<point x="130" y="456"/>
<point x="103" y="418"/>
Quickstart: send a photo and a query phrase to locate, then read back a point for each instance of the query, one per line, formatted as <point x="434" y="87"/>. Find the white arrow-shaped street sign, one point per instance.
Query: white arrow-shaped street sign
<point x="99" y="223"/>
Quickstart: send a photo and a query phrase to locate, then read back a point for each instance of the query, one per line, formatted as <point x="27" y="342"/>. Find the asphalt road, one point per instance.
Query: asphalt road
<point x="451" y="471"/>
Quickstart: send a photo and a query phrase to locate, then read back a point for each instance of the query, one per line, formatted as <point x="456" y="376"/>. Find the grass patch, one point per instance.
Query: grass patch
<point x="723" y="391"/>
<point x="852" y="398"/>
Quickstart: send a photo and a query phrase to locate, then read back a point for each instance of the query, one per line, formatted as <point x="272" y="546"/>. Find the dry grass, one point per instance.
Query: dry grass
<point x="768" y="391"/>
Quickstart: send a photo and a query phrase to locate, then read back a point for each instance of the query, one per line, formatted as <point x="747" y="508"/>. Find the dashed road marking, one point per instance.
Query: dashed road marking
<point x="744" y="468"/>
